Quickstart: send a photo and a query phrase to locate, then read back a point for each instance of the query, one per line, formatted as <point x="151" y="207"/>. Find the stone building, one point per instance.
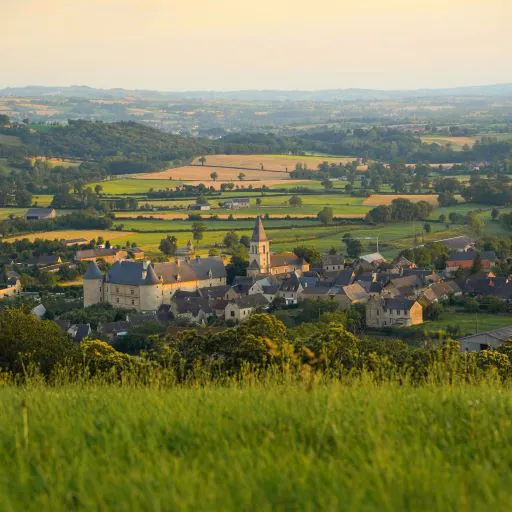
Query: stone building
<point x="397" y="312"/>
<point x="144" y="286"/>
<point x="263" y="262"/>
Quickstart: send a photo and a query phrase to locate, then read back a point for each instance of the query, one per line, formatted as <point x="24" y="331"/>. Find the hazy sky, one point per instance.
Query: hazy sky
<point x="258" y="44"/>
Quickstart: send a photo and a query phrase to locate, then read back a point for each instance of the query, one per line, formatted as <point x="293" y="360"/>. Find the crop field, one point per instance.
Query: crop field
<point x="457" y="143"/>
<point x="42" y="200"/>
<point x="272" y="162"/>
<point x="193" y="173"/>
<point x="386" y="199"/>
<point x="268" y="446"/>
<point x="72" y="233"/>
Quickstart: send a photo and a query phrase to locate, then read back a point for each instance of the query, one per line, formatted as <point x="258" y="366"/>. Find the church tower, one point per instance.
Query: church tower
<point x="259" y="251"/>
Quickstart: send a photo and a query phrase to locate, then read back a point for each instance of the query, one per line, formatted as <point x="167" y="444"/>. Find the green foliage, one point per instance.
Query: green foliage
<point x="169" y="245"/>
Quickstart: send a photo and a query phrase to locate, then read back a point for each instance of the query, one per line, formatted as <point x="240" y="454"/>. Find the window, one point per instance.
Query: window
<point x="117" y="300"/>
<point x="132" y="292"/>
<point x="232" y="313"/>
<point x="117" y="290"/>
<point x="133" y="302"/>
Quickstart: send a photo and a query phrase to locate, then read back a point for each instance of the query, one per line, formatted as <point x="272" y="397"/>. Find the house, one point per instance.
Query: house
<point x="40" y="213"/>
<point x="350" y="295"/>
<point x="79" y="332"/>
<point x="333" y="263"/>
<point x="485" y="340"/>
<point x="144" y="286"/>
<point x="409" y="287"/>
<point x="321" y="292"/>
<point x="195" y="309"/>
<point x="136" y="253"/>
<point x="395" y="312"/>
<point x="39" y="311"/>
<point x="11" y="288"/>
<point x="113" y="330"/>
<point x="487" y="284"/>
<point x="458" y="243"/>
<point x="374" y="259"/>
<point x="108" y="255"/>
<point x="343" y="278"/>
<point x="465" y="260"/>
<point x="240" y="309"/>
<point x="75" y="241"/>
<point x="262" y="262"/>
<point x="237" y="203"/>
<point x="200" y="207"/>
<point x="290" y="288"/>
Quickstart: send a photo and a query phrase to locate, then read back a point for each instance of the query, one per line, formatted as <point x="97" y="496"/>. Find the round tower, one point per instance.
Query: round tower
<point x="151" y="291"/>
<point x="93" y="285"/>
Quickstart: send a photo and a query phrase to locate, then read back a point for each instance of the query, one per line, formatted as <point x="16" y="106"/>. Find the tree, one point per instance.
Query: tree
<point x="198" y="228"/>
<point x="427" y="227"/>
<point x="214" y="176"/>
<point x="258" y="201"/>
<point x="25" y="340"/>
<point x="98" y="188"/>
<point x="354" y="248"/>
<point x="310" y="254"/>
<point x="239" y="263"/>
<point x="326" y="215"/>
<point x="241" y="176"/>
<point x="295" y="201"/>
<point x="230" y="239"/>
<point x="495" y="213"/>
<point x="202" y="201"/>
<point x="245" y="241"/>
<point x="327" y="184"/>
<point x="202" y="160"/>
<point x="477" y="264"/>
<point x="169" y="245"/>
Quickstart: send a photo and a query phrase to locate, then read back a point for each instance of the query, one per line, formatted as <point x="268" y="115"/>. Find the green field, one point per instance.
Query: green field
<point x="10" y="140"/>
<point x="469" y="323"/>
<point x="133" y="186"/>
<point x="264" y="447"/>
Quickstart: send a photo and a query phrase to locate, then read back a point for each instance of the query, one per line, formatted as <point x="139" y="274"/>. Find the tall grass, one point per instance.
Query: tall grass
<point x="267" y="443"/>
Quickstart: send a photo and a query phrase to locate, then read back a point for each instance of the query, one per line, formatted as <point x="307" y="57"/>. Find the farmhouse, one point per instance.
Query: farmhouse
<point x="397" y="312"/>
<point x="262" y="262"/>
<point x="240" y="309"/>
<point x="465" y="260"/>
<point x="107" y="255"/>
<point x="333" y="263"/>
<point x="237" y="204"/>
<point x="40" y="214"/>
<point x="144" y="286"/>
<point x="458" y="243"/>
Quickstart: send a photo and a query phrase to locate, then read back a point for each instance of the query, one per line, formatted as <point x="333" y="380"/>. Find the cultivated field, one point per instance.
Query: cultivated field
<point x="271" y="162"/>
<point x="269" y="446"/>
<point x="457" y="143"/>
<point x="89" y="234"/>
<point x="192" y="173"/>
<point x="386" y="199"/>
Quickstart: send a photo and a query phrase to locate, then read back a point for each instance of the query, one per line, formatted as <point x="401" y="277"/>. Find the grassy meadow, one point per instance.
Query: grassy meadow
<point x="264" y="447"/>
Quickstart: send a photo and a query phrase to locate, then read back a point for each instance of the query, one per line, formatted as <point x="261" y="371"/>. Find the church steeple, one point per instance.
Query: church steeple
<point x="259" y="235"/>
<point x="259" y="250"/>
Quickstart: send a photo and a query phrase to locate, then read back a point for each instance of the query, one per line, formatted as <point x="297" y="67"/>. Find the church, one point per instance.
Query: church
<point x="263" y="262"/>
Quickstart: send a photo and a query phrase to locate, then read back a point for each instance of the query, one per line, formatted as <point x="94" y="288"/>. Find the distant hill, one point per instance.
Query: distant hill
<point x="262" y="95"/>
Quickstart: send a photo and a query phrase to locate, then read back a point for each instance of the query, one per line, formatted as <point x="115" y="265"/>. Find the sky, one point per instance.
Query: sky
<point x="177" y="45"/>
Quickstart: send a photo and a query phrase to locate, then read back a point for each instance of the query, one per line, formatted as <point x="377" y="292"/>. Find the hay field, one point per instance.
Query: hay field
<point x="457" y="143"/>
<point x="386" y="199"/>
<point x="89" y="234"/>
<point x="272" y="162"/>
<point x="192" y="173"/>
<point x="56" y="162"/>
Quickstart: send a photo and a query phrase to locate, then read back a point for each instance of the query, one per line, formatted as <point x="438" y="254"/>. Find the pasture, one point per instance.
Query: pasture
<point x="10" y="140"/>
<point x="70" y="234"/>
<point x="265" y="446"/>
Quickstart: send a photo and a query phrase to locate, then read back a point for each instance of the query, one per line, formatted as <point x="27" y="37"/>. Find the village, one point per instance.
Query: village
<point x="194" y="291"/>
